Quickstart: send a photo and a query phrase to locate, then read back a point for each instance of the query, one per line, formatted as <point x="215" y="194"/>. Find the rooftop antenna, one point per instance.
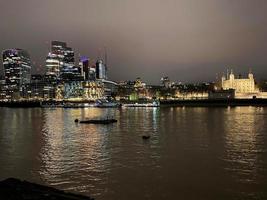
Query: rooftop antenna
<point x="106" y="61"/>
<point x="48" y="47"/>
<point x="99" y="54"/>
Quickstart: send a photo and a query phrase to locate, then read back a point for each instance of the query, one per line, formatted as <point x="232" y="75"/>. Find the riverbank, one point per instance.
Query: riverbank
<point x="14" y="189"/>
<point x="163" y="103"/>
<point x="20" y="104"/>
<point x="214" y="102"/>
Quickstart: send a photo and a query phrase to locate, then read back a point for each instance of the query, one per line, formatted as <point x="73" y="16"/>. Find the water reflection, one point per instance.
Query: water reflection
<point x="193" y="153"/>
<point x="72" y="150"/>
<point x="243" y="146"/>
<point x="20" y="143"/>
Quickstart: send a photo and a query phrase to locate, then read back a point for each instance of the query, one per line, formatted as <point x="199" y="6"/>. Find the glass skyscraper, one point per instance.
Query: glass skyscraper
<point x="84" y="67"/>
<point x="101" y="70"/>
<point x="17" y="69"/>
<point x="61" y="63"/>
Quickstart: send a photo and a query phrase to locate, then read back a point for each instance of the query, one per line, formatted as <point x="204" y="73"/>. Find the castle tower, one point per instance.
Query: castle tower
<point x="231" y="76"/>
<point x="250" y="75"/>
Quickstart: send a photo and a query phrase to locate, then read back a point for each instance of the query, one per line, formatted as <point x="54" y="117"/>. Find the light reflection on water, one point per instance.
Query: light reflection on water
<point x="244" y="146"/>
<point x="74" y="153"/>
<point x="193" y="153"/>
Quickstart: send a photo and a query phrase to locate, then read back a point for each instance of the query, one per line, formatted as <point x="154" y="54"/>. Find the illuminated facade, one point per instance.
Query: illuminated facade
<point x="60" y="62"/>
<point x="110" y="87"/>
<point x="17" y="71"/>
<point x="92" y="73"/>
<point x="240" y="85"/>
<point x="166" y="82"/>
<point x="101" y="70"/>
<point x="93" y="90"/>
<point x="52" y="64"/>
<point x="84" y="67"/>
<point x="41" y="87"/>
<point x="83" y="90"/>
<point x="139" y="84"/>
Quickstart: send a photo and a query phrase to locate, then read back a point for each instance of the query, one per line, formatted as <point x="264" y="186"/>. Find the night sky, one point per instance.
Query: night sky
<point x="187" y="40"/>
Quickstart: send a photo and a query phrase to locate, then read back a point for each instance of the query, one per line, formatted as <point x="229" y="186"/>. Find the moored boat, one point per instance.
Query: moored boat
<point x="103" y="103"/>
<point x="153" y="104"/>
<point x="96" y="121"/>
<point x="51" y="104"/>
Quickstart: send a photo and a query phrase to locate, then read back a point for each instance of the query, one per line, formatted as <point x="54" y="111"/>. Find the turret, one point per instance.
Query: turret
<point x="250" y="75"/>
<point x="231" y="76"/>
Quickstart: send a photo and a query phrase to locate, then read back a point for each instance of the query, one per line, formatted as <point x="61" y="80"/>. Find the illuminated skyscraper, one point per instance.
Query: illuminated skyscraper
<point x="92" y="73"/>
<point x="101" y="70"/>
<point x="17" y="69"/>
<point x="84" y="67"/>
<point x="54" y="60"/>
<point x="60" y="62"/>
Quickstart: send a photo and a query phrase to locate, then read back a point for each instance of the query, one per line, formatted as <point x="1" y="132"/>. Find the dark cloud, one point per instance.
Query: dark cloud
<point x="189" y="40"/>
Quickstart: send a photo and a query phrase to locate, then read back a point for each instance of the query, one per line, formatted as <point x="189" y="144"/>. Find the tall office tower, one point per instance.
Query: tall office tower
<point x="52" y="64"/>
<point x="101" y="70"/>
<point x="84" y="67"/>
<point x="17" y="69"/>
<point x="92" y="73"/>
<point x="60" y="61"/>
<point x="54" y="60"/>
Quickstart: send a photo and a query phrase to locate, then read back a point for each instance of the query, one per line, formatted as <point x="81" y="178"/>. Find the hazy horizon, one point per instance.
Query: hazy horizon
<point x="186" y="40"/>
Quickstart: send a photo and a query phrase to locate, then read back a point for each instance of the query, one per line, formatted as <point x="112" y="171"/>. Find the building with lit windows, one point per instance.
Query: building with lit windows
<point x="17" y="71"/>
<point x="240" y="85"/>
<point x="60" y="62"/>
<point x="101" y="70"/>
<point x="83" y="90"/>
<point x="84" y="67"/>
<point x="92" y="73"/>
<point x="165" y="81"/>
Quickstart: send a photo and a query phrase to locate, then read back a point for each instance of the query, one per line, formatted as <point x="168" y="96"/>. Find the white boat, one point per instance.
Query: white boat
<point x="153" y="104"/>
<point x="103" y="103"/>
<point x="78" y="105"/>
<point x="51" y="104"/>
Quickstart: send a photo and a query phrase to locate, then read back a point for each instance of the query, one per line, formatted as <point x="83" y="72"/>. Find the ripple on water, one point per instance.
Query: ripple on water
<point x="193" y="153"/>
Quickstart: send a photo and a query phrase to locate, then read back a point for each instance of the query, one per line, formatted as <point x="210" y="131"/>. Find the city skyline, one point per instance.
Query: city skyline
<point x="180" y="39"/>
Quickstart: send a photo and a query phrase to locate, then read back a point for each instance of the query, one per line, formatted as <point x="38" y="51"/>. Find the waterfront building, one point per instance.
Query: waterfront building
<point x="222" y="94"/>
<point x="139" y="84"/>
<point x="83" y="90"/>
<point x="132" y="90"/>
<point x="125" y="89"/>
<point x="42" y="87"/>
<point x="240" y="85"/>
<point x="73" y="90"/>
<point x="17" y="71"/>
<point x="140" y="88"/>
<point x="110" y="88"/>
<point x="165" y="81"/>
<point x="93" y="90"/>
<point x="191" y="95"/>
<point x="193" y="91"/>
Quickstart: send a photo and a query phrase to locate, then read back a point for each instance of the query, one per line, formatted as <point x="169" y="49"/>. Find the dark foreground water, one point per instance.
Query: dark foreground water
<point x="193" y="153"/>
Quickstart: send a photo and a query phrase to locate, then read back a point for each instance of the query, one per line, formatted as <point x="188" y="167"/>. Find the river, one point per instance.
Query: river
<point x="192" y="153"/>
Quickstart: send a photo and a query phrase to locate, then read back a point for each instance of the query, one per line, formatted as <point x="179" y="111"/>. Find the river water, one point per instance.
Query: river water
<point x="193" y="153"/>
